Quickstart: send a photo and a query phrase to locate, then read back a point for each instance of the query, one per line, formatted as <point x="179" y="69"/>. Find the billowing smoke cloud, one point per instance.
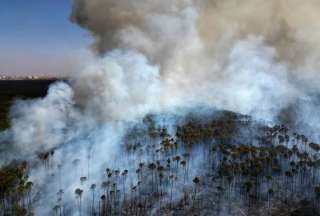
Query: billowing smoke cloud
<point x="248" y="56"/>
<point x="255" y="57"/>
<point x="160" y="29"/>
<point x="121" y="86"/>
<point x="47" y="123"/>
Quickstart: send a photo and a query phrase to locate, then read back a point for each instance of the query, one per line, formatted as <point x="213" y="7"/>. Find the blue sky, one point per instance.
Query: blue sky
<point x="36" y="37"/>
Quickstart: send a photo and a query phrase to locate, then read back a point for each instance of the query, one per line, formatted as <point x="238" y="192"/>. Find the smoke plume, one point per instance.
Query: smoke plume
<point x="254" y="57"/>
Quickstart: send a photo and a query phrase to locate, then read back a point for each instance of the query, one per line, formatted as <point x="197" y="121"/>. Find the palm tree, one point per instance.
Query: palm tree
<point x="177" y="159"/>
<point x="116" y="174"/>
<point x="83" y="179"/>
<point x="169" y="163"/>
<point x="172" y="178"/>
<point x="105" y="186"/>
<point x="60" y="194"/>
<point x="92" y="188"/>
<point x="56" y="209"/>
<point x="152" y="167"/>
<point x="28" y="189"/>
<point x="124" y="176"/>
<point x="184" y="164"/>
<point x="88" y="163"/>
<point x="270" y="193"/>
<point x="78" y="193"/>
<point x="45" y="157"/>
<point x="196" y="182"/>
<point x="103" y="200"/>
<point x="133" y="197"/>
<point x="160" y="181"/>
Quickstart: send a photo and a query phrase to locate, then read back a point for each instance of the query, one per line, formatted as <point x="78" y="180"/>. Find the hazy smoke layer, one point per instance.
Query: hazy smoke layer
<point x="255" y="57"/>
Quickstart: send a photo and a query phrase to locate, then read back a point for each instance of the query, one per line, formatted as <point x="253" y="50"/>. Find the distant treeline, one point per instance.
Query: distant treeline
<point x="24" y="89"/>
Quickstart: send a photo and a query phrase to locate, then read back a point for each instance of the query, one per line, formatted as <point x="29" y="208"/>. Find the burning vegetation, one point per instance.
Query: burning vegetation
<point x="218" y="164"/>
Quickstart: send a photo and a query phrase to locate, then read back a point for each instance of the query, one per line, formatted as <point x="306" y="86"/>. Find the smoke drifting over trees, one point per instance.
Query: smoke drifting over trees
<point x="93" y="149"/>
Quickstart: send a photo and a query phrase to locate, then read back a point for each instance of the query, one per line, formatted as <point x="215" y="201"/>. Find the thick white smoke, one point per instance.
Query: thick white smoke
<point x="254" y="57"/>
<point x="121" y="86"/>
<point x="39" y="125"/>
<point x="249" y="56"/>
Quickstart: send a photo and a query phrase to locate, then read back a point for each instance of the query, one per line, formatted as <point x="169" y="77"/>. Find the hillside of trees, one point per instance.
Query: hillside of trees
<point x="220" y="163"/>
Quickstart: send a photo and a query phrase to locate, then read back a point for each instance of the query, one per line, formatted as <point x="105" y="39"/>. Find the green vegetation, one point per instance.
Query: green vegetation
<point x="15" y="190"/>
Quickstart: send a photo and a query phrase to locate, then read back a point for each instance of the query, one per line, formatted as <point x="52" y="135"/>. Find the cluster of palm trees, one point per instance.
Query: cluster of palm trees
<point x="15" y="190"/>
<point x="206" y="166"/>
<point x="225" y="165"/>
<point x="239" y="161"/>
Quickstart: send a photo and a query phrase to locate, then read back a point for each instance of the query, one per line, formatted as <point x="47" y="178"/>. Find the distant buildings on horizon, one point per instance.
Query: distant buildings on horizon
<point x="33" y="77"/>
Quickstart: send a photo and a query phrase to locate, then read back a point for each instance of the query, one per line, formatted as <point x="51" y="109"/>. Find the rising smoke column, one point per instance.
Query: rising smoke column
<point x="231" y="54"/>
